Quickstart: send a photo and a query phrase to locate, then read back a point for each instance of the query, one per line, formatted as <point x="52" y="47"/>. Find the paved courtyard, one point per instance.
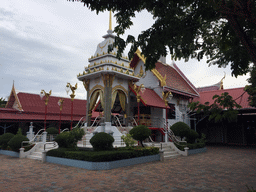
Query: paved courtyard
<point x="219" y="169"/>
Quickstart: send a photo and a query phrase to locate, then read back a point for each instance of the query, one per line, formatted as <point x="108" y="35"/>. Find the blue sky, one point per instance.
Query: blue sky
<point x="45" y="43"/>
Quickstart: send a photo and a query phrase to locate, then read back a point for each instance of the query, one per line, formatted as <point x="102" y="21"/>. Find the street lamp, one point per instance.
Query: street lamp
<point x="137" y="89"/>
<point x="72" y="95"/>
<point x="60" y="103"/>
<point x="47" y="95"/>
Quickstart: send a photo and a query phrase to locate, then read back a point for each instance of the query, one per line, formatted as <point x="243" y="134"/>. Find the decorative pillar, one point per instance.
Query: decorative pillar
<point x="60" y="103"/>
<point x="108" y="81"/>
<point x="137" y="89"/>
<point x="72" y="96"/>
<point x="86" y="84"/>
<point x="47" y="95"/>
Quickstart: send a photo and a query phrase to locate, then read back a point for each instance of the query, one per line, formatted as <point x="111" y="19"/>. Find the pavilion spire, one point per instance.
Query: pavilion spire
<point x="110" y="20"/>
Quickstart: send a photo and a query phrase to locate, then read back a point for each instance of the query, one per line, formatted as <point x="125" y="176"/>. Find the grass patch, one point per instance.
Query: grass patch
<point x="103" y="156"/>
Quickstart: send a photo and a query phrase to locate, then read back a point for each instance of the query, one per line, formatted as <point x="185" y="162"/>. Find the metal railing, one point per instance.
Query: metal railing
<point x="97" y="120"/>
<point x="117" y="121"/>
<point x="81" y="121"/>
<point x="37" y="137"/>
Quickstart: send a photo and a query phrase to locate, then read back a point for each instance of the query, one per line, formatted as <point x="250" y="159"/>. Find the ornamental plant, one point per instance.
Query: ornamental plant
<point x="102" y="141"/>
<point x="180" y="129"/>
<point x="4" y="139"/>
<point x="69" y="139"/>
<point x="140" y="133"/>
<point x="15" y="142"/>
<point x="128" y="140"/>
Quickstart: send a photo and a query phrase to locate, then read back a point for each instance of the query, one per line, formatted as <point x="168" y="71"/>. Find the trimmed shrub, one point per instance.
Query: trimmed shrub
<point x="4" y="139"/>
<point x="140" y="133"/>
<point x="180" y="129"/>
<point x="102" y="141"/>
<point x="15" y="142"/>
<point x="52" y="131"/>
<point x="192" y="136"/>
<point x="69" y="139"/>
<point x="62" y="140"/>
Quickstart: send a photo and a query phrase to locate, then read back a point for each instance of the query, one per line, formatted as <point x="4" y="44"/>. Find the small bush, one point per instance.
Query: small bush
<point x="140" y="133"/>
<point x="202" y="139"/>
<point x="102" y="141"/>
<point x="128" y="140"/>
<point x="4" y="139"/>
<point x="52" y="131"/>
<point x="180" y="129"/>
<point x="192" y="136"/>
<point x="15" y="142"/>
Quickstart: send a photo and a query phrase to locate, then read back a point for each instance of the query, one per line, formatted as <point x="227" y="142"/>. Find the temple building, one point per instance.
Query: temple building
<point x="122" y="94"/>
<point x="125" y="94"/>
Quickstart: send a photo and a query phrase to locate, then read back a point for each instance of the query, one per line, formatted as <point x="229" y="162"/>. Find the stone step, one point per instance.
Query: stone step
<point x="34" y="157"/>
<point x="172" y="155"/>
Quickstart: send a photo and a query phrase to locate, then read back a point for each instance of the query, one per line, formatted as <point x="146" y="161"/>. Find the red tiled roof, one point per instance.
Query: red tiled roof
<point x="151" y="98"/>
<point x="34" y="108"/>
<point x="36" y="116"/>
<point x="176" y="80"/>
<point x="33" y="103"/>
<point x="238" y="94"/>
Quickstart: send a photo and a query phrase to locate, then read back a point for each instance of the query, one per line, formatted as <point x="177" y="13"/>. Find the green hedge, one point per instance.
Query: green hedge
<point x="103" y="156"/>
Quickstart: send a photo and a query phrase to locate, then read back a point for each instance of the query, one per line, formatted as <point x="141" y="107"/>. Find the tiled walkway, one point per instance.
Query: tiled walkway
<point x="219" y="169"/>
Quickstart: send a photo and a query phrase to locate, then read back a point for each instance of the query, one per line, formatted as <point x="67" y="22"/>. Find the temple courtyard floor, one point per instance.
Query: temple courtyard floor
<point x="218" y="169"/>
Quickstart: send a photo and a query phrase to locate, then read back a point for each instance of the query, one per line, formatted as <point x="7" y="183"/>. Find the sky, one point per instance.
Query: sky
<point x="45" y="43"/>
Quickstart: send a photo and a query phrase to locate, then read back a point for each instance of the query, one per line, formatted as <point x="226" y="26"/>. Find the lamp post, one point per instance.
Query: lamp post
<point x="60" y="103"/>
<point x="72" y="95"/>
<point x="47" y="95"/>
<point x="137" y="89"/>
<point x="166" y="96"/>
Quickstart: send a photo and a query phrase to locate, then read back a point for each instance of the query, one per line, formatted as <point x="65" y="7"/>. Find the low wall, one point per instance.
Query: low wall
<point x="10" y="153"/>
<point x="102" y="165"/>
<point x="195" y="151"/>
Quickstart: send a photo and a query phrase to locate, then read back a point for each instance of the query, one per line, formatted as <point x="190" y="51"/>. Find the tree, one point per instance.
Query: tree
<point x="222" y="30"/>
<point x="2" y="102"/>
<point x="223" y="108"/>
<point x="251" y="89"/>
